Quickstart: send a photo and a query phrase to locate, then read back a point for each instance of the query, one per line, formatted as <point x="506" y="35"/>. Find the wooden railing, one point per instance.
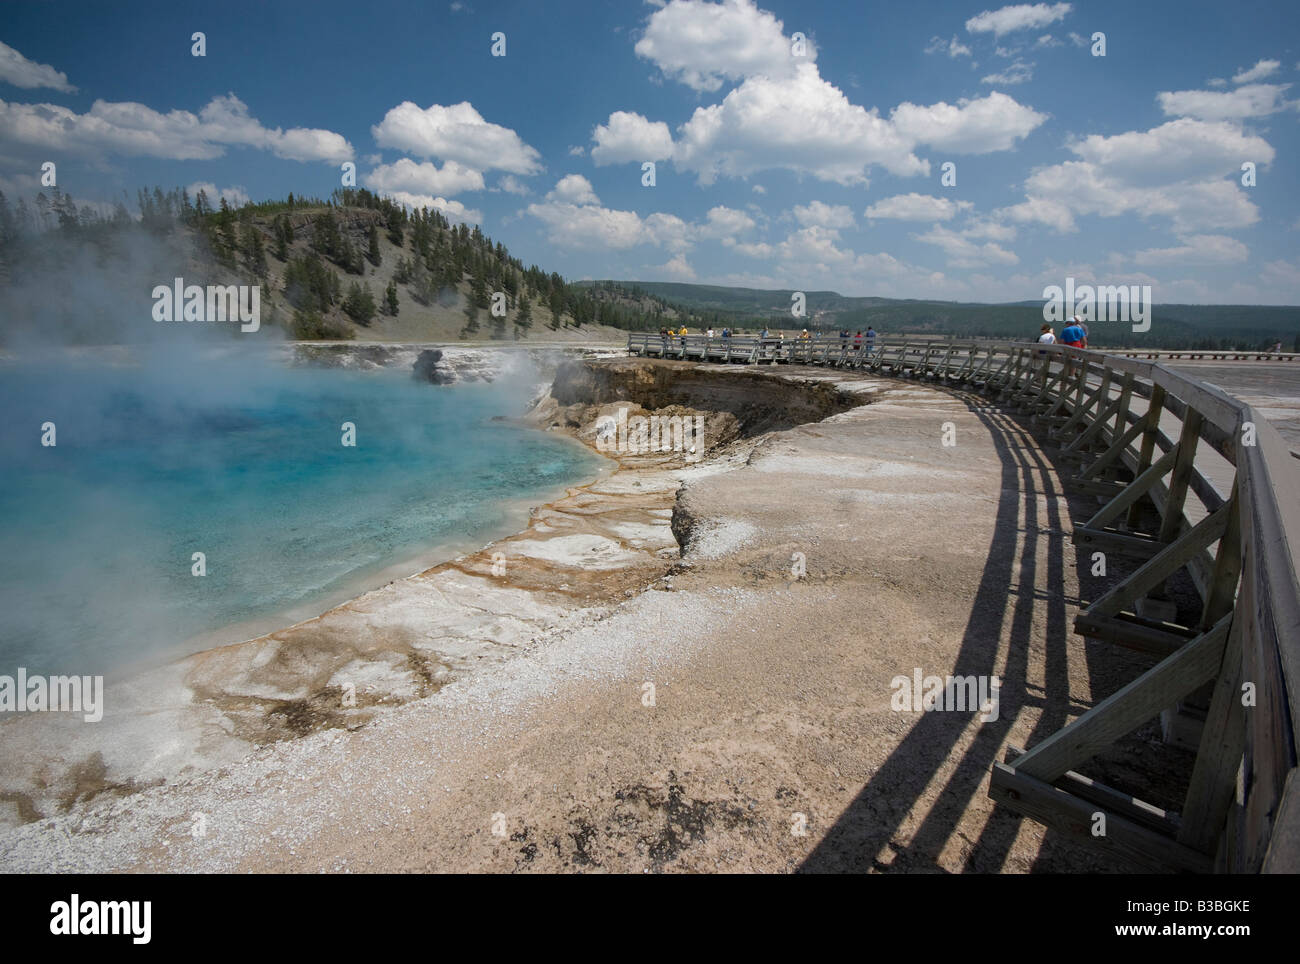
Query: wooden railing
<point x="1192" y="480"/>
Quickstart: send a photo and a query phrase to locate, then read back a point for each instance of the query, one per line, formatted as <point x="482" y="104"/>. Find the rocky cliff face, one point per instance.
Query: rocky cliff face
<point x="758" y="400"/>
<point x="735" y="403"/>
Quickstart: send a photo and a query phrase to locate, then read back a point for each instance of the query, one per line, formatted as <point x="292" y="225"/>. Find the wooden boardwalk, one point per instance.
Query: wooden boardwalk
<point x="833" y="350"/>
<point x="1189" y="479"/>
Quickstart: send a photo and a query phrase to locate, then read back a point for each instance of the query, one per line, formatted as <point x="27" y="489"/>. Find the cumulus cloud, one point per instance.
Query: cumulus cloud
<point x="18" y="70"/>
<point x="424" y="177"/>
<point x="724" y="222"/>
<point x="456" y="133"/>
<point x="757" y="249"/>
<point x="980" y="126"/>
<point x="573" y="189"/>
<point x="1178" y="149"/>
<point x="1198" y="249"/>
<point x="1021" y="16"/>
<point x="916" y="207"/>
<point x="677" y="269"/>
<point x="454" y="211"/>
<point x="1265" y="68"/>
<point x="703" y="44"/>
<point x="590" y="226"/>
<point x="629" y="136"/>
<point x="133" y="129"/>
<point x="1251" y="100"/>
<point x="832" y="216"/>
<point x="1179" y="171"/>
<point x="511" y="185"/>
<point x="802" y="124"/>
<point x="783" y="114"/>
<point x="965" y="253"/>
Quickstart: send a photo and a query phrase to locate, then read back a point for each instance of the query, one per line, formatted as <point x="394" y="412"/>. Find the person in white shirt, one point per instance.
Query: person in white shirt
<point x="1047" y="338"/>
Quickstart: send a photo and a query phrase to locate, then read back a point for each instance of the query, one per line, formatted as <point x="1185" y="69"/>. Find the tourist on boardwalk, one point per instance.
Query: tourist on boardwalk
<point x="1074" y="335"/>
<point x="1047" y="337"/>
<point x="857" y="341"/>
<point x="871" y="339"/>
<point x="710" y="333"/>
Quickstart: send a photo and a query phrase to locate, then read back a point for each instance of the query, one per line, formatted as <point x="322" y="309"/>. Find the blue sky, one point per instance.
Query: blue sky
<point x="777" y="165"/>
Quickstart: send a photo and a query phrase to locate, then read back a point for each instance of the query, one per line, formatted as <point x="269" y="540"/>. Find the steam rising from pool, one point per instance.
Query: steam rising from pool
<point x="223" y="452"/>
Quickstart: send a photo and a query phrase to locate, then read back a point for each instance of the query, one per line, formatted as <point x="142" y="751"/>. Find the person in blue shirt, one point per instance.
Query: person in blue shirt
<point x="1074" y="335"/>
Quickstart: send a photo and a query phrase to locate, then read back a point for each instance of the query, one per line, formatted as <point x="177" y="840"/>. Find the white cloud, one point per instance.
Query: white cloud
<point x="832" y="216"/>
<point x="133" y="129"/>
<point x="702" y="44"/>
<point x="511" y="185"/>
<point x="964" y="253"/>
<point x="1016" y="73"/>
<point x="1178" y="149"/>
<point x="1054" y="214"/>
<point x="454" y="211"/>
<point x="1022" y="16"/>
<point x="424" y="177"/>
<point x="1217" y="82"/>
<point x="759" y="189"/>
<point x="577" y="150"/>
<point x="1176" y="171"/>
<point x="980" y="126"/>
<point x="1252" y="100"/>
<point x="677" y="269"/>
<point x="953" y="48"/>
<point x="916" y="207"/>
<point x="235" y="196"/>
<point x="724" y="222"/>
<point x="18" y="70"/>
<point x="756" y="250"/>
<point x="1047" y="40"/>
<point x="590" y="226"/>
<point x="1265" y="68"/>
<point x="630" y="137"/>
<point x="573" y="189"/>
<point x="1198" y="249"/>
<point x="456" y="133"/>
<point x="802" y="124"/>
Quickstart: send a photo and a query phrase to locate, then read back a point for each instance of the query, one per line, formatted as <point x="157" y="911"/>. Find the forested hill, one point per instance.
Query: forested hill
<point x="353" y="266"/>
<point x="1173" y="326"/>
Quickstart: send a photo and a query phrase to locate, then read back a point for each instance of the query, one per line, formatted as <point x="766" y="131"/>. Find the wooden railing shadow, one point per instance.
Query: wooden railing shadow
<point x="1226" y="670"/>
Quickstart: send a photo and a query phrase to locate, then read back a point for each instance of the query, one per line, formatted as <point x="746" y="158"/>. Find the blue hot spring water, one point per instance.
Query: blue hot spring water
<point x="243" y="461"/>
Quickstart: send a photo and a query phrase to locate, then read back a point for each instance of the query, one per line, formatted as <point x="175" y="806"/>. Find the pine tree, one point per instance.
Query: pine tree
<point x="524" y="319"/>
<point x="471" y="320"/>
<point x="359" y="305"/>
<point x="373" y="254"/>
<point x="390" y="298"/>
